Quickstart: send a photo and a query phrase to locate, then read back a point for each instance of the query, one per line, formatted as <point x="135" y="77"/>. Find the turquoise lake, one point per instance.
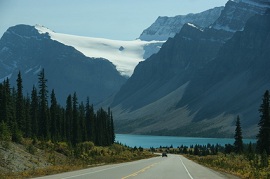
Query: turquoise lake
<point x="146" y="141"/>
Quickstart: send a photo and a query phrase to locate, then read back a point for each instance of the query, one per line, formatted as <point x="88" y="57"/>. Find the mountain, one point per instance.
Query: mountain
<point x="165" y="27"/>
<point x="24" y="48"/>
<point x="201" y="79"/>
<point x="237" y="12"/>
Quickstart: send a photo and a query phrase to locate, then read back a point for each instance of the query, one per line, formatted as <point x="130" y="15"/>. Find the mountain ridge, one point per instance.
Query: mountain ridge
<point x="67" y="70"/>
<point x="201" y="110"/>
<point x="166" y="27"/>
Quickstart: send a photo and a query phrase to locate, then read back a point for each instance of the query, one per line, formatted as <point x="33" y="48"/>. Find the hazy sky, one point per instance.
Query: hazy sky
<point x="114" y="19"/>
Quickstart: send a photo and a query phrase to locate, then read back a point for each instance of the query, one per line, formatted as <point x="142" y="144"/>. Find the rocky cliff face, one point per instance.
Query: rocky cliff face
<point x="199" y="81"/>
<point x="23" y="48"/>
<point x="165" y="27"/>
<point x="237" y="12"/>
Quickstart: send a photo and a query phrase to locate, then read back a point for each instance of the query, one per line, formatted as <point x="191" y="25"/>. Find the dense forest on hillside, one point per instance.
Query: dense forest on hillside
<point x="39" y="116"/>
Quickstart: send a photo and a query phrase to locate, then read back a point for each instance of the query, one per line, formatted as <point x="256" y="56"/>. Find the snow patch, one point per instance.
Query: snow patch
<point x="27" y="71"/>
<point x="192" y="25"/>
<point x="225" y="28"/>
<point x="38" y="70"/>
<point x="4" y="78"/>
<point x="125" y="59"/>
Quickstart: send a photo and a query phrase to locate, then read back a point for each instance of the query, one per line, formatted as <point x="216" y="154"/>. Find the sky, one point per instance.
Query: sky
<point x="117" y="19"/>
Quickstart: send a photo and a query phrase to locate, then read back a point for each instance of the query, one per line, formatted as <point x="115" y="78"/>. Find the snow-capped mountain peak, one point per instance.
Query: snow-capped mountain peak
<point x="125" y="55"/>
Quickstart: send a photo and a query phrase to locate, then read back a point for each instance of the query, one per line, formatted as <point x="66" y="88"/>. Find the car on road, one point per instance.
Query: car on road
<point x="164" y="154"/>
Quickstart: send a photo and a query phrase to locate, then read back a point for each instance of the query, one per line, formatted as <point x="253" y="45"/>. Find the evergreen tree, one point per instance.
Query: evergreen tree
<point x="62" y="124"/>
<point x="20" y="104"/>
<point x="250" y="153"/>
<point x="54" y="117"/>
<point x="43" y="106"/>
<point x="27" y="117"/>
<point x="264" y="159"/>
<point x="112" y="130"/>
<point x="238" y="143"/>
<point x="82" y="121"/>
<point x="90" y="118"/>
<point x="34" y="112"/>
<point x="68" y="117"/>
<point x="6" y="104"/>
<point x="74" y="124"/>
<point x="263" y="138"/>
<point x="5" y="134"/>
<point x="76" y="137"/>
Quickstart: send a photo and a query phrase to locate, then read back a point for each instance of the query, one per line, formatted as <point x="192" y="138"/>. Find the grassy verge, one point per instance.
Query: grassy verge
<point x="60" y="157"/>
<point x="238" y="165"/>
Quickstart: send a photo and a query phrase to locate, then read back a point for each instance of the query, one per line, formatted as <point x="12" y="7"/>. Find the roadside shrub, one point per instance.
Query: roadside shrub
<point x="31" y="149"/>
<point x="63" y="148"/>
<point x="5" y="134"/>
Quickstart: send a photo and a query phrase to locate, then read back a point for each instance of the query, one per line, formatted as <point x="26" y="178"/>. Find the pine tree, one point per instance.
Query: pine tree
<point x="82" y="121"/>
<point x="90" y="118"/>
<point x="76" y="137"/>
<point x="112" y="130"/>
<point x="68" y="117"/>
<point x="62" y="124"/>
<point x="27" y="117"/>
<point x="54" y="117"/>
<point x="5" y="134"/>
<point x="238" y="143"/>
<point x="6" y="104"/>
<point x="43" y="106"/>
<point x="263" y="138"/>
<point x="20" y="104"/>
<point x="250" y="153"/>
<point x="34" y="112"/>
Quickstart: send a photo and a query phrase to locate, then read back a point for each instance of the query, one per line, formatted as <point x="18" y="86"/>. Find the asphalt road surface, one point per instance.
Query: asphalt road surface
<point x="173" y="166"/>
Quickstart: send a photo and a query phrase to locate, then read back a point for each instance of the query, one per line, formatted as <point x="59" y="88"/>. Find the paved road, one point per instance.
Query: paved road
<point x="173" y="166"/>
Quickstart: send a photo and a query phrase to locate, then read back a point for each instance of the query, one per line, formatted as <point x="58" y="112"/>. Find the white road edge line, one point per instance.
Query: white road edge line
<point x="120" y="165"/>
<point x="186" y="169"/>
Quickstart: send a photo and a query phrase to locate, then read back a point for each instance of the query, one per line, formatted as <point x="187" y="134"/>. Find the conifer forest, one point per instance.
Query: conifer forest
<point x="39" y="116"/>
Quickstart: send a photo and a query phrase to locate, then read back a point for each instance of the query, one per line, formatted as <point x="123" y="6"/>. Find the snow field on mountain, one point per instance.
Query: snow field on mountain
<point x="125" y="55"/>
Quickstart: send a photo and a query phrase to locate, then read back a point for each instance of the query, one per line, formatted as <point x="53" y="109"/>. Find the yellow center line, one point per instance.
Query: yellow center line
<point x="140" y="171"/>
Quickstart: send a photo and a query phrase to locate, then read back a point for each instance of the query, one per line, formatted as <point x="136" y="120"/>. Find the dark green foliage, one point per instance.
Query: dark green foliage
<point x="27" y="118"/>
<point x="33" y="118"/>
<point x="250" y="152"/>
<point x="263" y="138"/>
<point x="68" y="117"/>
<point x="43" y="106"/>
<point x="20" y="118"/>
<point x="103" y="128"/>
<point x="76" y="135"/>
<point x="264" y="159"/>
<point x="238" y="143"/>
<point x="34" y="112"/>
<point x="82" y="122"/>
<point x="5" y="134"/>
<point x="6" y="104"/>
<point x="90" y="118"/>
<point x="54" y="117"/>
<point x="229" y="148"/>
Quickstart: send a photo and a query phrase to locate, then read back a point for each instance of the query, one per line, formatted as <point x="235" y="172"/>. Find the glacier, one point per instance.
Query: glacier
<point x="125" y="55"/>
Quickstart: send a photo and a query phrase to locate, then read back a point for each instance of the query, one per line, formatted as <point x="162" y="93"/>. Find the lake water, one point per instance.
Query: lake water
<point x="146" y="141"/>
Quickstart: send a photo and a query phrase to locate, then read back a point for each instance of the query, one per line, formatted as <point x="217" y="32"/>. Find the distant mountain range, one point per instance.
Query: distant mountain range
<point x="193" y="74"/>
<point x="93" y="67"/>
<point x="166" y="27"/>
<point x="23" y="48"/>
<point x="202" y="78"/>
